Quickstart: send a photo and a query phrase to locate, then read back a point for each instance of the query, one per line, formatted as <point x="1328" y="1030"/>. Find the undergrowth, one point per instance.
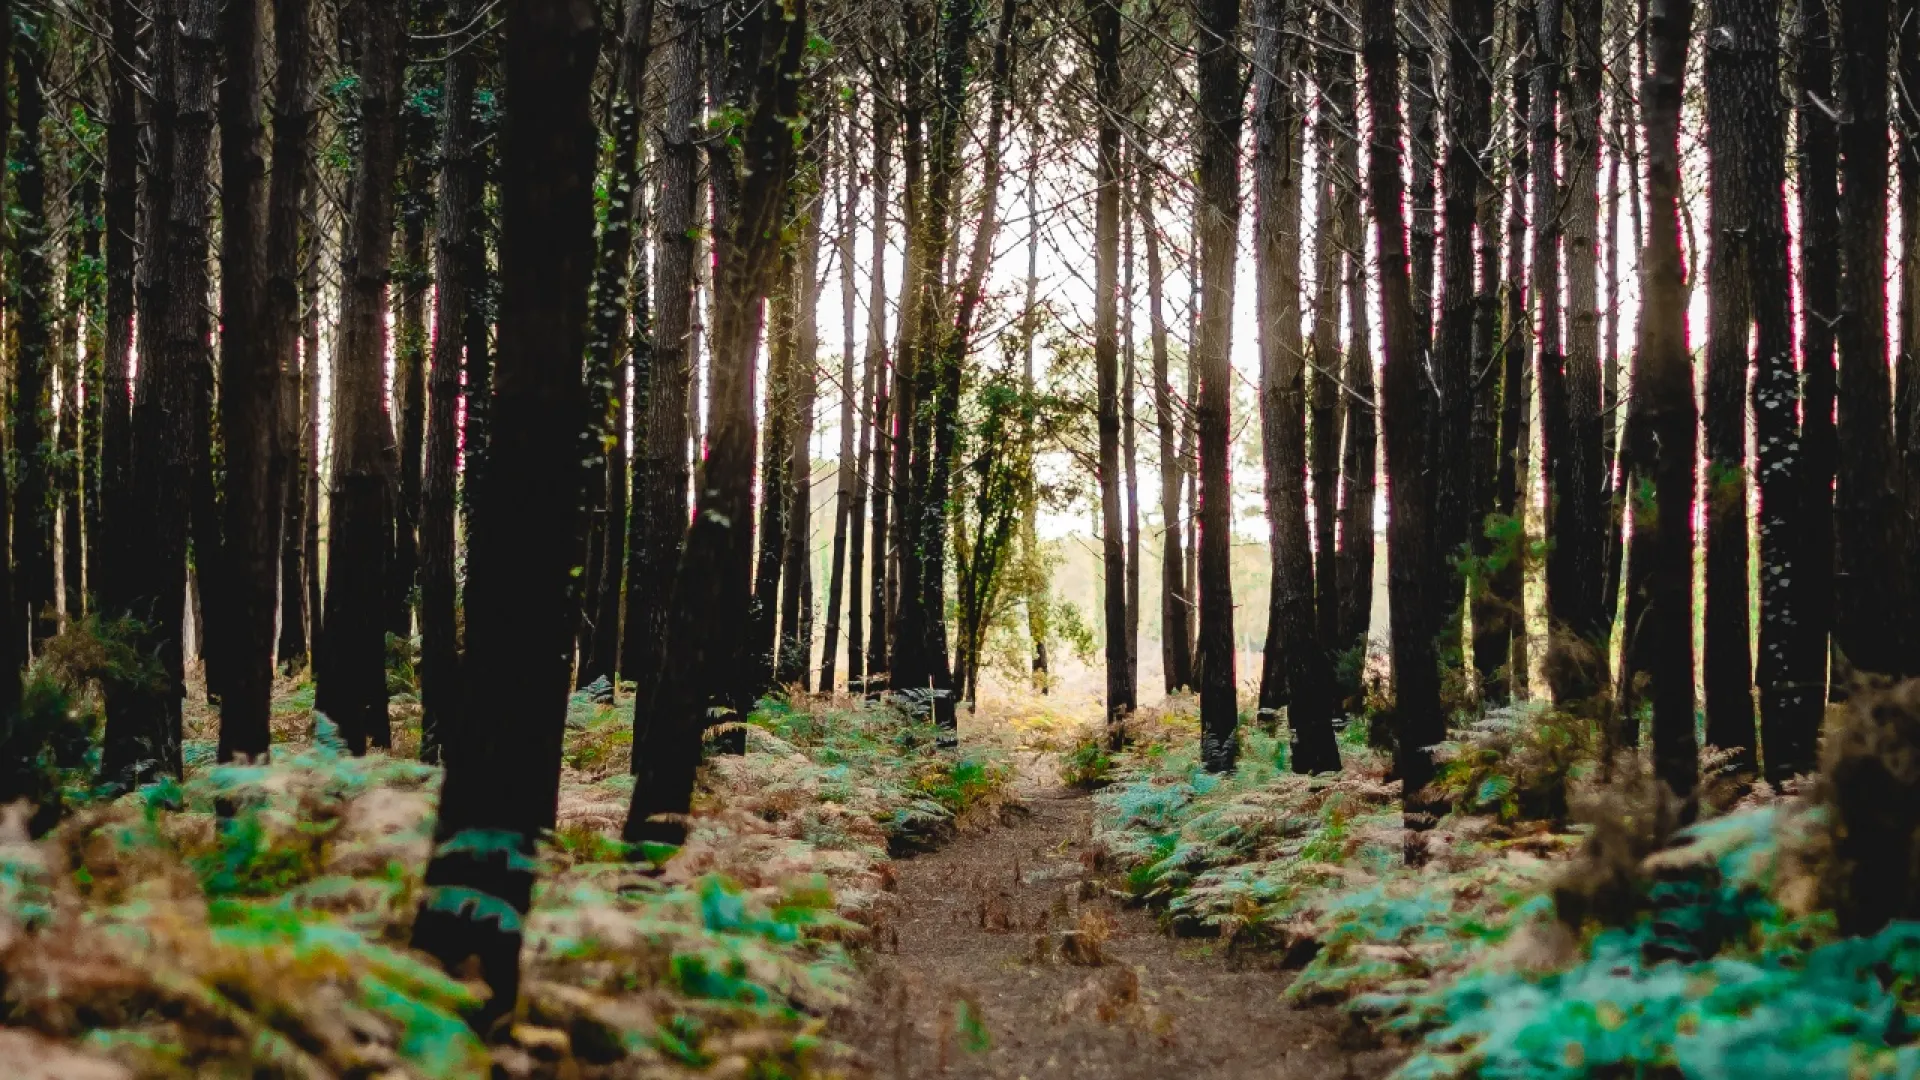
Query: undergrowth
<point x="253" y="919"/>
<point x="1526" y="946"/>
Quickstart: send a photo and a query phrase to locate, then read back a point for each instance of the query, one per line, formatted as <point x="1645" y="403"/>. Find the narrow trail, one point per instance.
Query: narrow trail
<point x="1011" y="935"/>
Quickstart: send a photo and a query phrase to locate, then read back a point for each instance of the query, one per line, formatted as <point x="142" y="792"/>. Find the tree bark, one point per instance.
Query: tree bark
<point x="796" y="596"/>
<point x="1487" y="385"/>
<point x="1360" y="452"/>
<point x="1662" y="435"/>
<point x="122" y="216"/>
<point x="610" y="343"/>
<point x="1467" y="164"/>
<point x="1809" y="587"/>
<point x="1500" y="639"/>
<point x="1753" y="39"/>
<point x="1175" y="658"/>
<point x="353" y="684"/>
<point x="1292" y="636"/>
<point x="1871" y="581"/>
<point x="503" y="774"/>
<point x="250" y="360"/>
<point x="1579" y="509"/>
<point x="848" y="509"/>
<point x="704" y="644"/>
<point x="1220" y="120"/>
<point x="661" y="399"/>
<point x="1727" y="662"/>
<point x="881" y="364"/>
<point x="1327" y="406"/>
<point x="1105" y="18"/>
<point x="33" y="316"/>
<point x="457" y="266"/>
<point x="144" y="719"/>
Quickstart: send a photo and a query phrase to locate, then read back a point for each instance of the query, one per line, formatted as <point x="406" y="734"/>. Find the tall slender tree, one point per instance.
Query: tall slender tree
<point x="458" y="265"/>
<point x="1816" y="152"/>
<point x="1733" y="205"/>
<point x="503" y="774"/>
<point x="1870" y="587"/>
<point x="1278" y="172"/>
<point x="1219" y="102"/>
<point x="846" y="523"/>
<point x="353" y="681"/>
<point x="1662" y="430"/>
<point x="34" y="309"/>
<point x="250" y="378"/>
<point x="1406" y="417"/>
<point x="660" y="474"/>
<point x="616" y="335"/>
<point x="1104" y="16"/>
<point x="704" y="643"/>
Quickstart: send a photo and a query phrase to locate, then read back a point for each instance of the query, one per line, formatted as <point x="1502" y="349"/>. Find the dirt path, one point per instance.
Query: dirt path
<point x="994" y="974"/>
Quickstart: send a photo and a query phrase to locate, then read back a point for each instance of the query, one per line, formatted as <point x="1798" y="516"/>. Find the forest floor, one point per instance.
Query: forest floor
<point x="1010" y="953"/>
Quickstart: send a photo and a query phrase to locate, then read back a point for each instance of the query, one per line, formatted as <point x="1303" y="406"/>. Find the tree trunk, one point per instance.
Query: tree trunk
<point x="310" y="290"/>
<point x="609" y="341"/>
<point x="1487" y="385"/>
<point x="144" y="720"/>
<point x="1753" y="40"/>
<point x="777" y="482"/>
<point x="1578" y="506"/>
<point x="660" y="474"/>
<point x="796" y="597"/>
<point x="1500" y="638"/>
<point x="32" y="316"/>
<point x="1422" y="103"/>
<point x="704" y="645"/>
<point x="353" y="683"/>
<point x="1809" y="587"/>
<point x="1870" y="610"/>
<point x="457" y="266"/>
<point x="1662" y="433"/>
<point x="848" y="485"/>
<point x="1327" y="406"/>
<point x="1220" y="120"/>
<point x="1406" y="416"/>
<point x="1468" y="162"/>
<point x="93" y="380"/>
<point x="415" y="208"/>
<point x="286" y="274"/>
<point x="252" y="329"/>
<point x="503" y="774"/>
<point x="1105" y="18"/>
<point x="1727" y="662"/>
<point x="1129" y="431"/>
<point x="1292" y="636"/>
<point x="1175" y="658"/>
<point x="13" y="631"/>
<point x="122" y="215"/>
<point x="1360" y="453"/>
<point x="881" y="368"/>
<point x="67" y="451"/>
